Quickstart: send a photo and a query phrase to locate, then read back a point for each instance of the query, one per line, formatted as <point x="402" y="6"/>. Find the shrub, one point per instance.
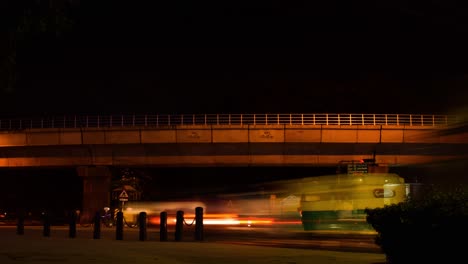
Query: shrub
<point x="431" y="228"/>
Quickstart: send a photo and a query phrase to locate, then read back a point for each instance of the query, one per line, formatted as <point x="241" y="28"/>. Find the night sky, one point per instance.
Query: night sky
<point x="235" y="57"/>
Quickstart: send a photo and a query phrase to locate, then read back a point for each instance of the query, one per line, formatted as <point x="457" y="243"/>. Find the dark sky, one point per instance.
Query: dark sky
<point x="243" y="57"/>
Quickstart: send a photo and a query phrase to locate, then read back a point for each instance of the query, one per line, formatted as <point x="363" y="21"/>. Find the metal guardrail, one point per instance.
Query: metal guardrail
<point x="96" y="121"/>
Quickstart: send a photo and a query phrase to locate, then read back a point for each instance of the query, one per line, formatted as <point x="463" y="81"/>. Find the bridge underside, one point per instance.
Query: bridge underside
<point x="228" y="154"/>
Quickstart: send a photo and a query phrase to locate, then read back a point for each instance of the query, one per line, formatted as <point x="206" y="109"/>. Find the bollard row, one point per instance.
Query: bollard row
<point x="120" y="224"/>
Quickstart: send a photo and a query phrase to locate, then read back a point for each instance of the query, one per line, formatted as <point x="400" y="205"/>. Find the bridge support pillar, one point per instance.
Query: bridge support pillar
<point x="96" y="190"/>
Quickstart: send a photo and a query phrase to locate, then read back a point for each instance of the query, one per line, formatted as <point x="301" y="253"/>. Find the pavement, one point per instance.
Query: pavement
<point x="33" y="247"/>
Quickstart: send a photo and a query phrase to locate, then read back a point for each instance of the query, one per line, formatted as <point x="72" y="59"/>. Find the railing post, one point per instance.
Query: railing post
<point x="163" y="226"/>
<point x="374" y="119"/>
<point x="290" y="119"/>
<point x="20" y="222"/>
<point x="193" y="119"/>
<point x="229" y="118"/>
<point x="350" y="119"/>
<point x="313" y="116"/>
<point x="241" y="121"/>
<point x="326" y="118"/>
<point x="179" y="225"/>
<point x="398" y="120"/>
<point x="97" y="226"/>
<point x="411" y="120"/>
<point x="302" y="119"/>
<point x="278" y="118"/>
<point x="142" y="225"/>
<point x="119" y="227"/>
<point x="199" y="223"/>
<point x="169" y="120"/>
<point x="433" y="120"/>
<point x="46" y="222"/>
<point x="181" y="119"/>
<point x="255" y="119"/>
<point x="157" y="120"/>
<point x="217" y="119"/>
<point x="422" y="120"/>
<point x="362" y="115"/>
<point x="205" y="119"/>
<point x="121" y="121"/>
<point x="266" y="119"/>
<point x="339" y="121"/>
<point x="72" y="224"/>
<point x="386" y="119"/>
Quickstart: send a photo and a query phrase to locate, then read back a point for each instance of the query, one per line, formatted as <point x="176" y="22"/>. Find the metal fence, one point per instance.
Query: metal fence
<point x="96" y="121"/>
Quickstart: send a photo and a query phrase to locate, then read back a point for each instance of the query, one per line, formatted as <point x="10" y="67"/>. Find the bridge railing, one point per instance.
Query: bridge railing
<point x="85" y="121"/>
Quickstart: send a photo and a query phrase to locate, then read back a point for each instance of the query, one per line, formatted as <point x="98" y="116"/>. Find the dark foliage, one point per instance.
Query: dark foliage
<point x="429" y="229"/>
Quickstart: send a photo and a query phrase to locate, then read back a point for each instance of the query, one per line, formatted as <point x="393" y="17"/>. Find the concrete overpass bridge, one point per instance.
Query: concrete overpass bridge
<point x="93" y="143"/>
<point x="228" y="140"/>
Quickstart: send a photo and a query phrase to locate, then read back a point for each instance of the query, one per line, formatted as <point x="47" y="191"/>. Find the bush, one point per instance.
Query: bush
<point x="431" y="228"/>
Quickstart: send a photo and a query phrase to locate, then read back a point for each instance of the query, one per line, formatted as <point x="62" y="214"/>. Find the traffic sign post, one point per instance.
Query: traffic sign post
<point x="123" y="197"/>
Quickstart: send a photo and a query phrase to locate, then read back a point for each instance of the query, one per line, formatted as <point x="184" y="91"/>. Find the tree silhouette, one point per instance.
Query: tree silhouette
<point x="26" y="22"/>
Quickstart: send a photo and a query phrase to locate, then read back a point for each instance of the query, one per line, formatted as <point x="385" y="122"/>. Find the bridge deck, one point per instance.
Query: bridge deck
<point x="235" y="143"/>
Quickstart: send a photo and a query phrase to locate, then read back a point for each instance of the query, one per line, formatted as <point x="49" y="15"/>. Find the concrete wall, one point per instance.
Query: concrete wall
<point x="266" y="133"/>
<point x="233" y="154"/>
<point x="307" y="133"/>
<point x="158" y="135"/>
<point x="229" y="134"/>
<point x="224" y="144"/>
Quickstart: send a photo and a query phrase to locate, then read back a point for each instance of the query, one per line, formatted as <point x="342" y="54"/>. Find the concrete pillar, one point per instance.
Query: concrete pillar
<point x="96" y="190"/>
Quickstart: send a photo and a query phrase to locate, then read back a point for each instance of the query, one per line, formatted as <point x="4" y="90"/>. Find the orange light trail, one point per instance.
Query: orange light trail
<point x="227" y="219"/>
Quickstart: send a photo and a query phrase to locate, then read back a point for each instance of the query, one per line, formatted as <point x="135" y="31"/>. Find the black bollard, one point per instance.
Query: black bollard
<point x="119" y="227"/>
<point x="142" y="225"/>
<point x="199" y="223"/>
<point x="20" y="223"/>
<point x="46" y="222"/>
<point x="72" y="222"/>
<point x="97" y="226"/>
<point x="179" y="225"/>
<point x="163" y="226"/>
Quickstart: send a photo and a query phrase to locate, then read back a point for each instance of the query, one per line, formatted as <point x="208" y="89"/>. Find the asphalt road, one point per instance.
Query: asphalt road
<point x="260" y="236"/>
